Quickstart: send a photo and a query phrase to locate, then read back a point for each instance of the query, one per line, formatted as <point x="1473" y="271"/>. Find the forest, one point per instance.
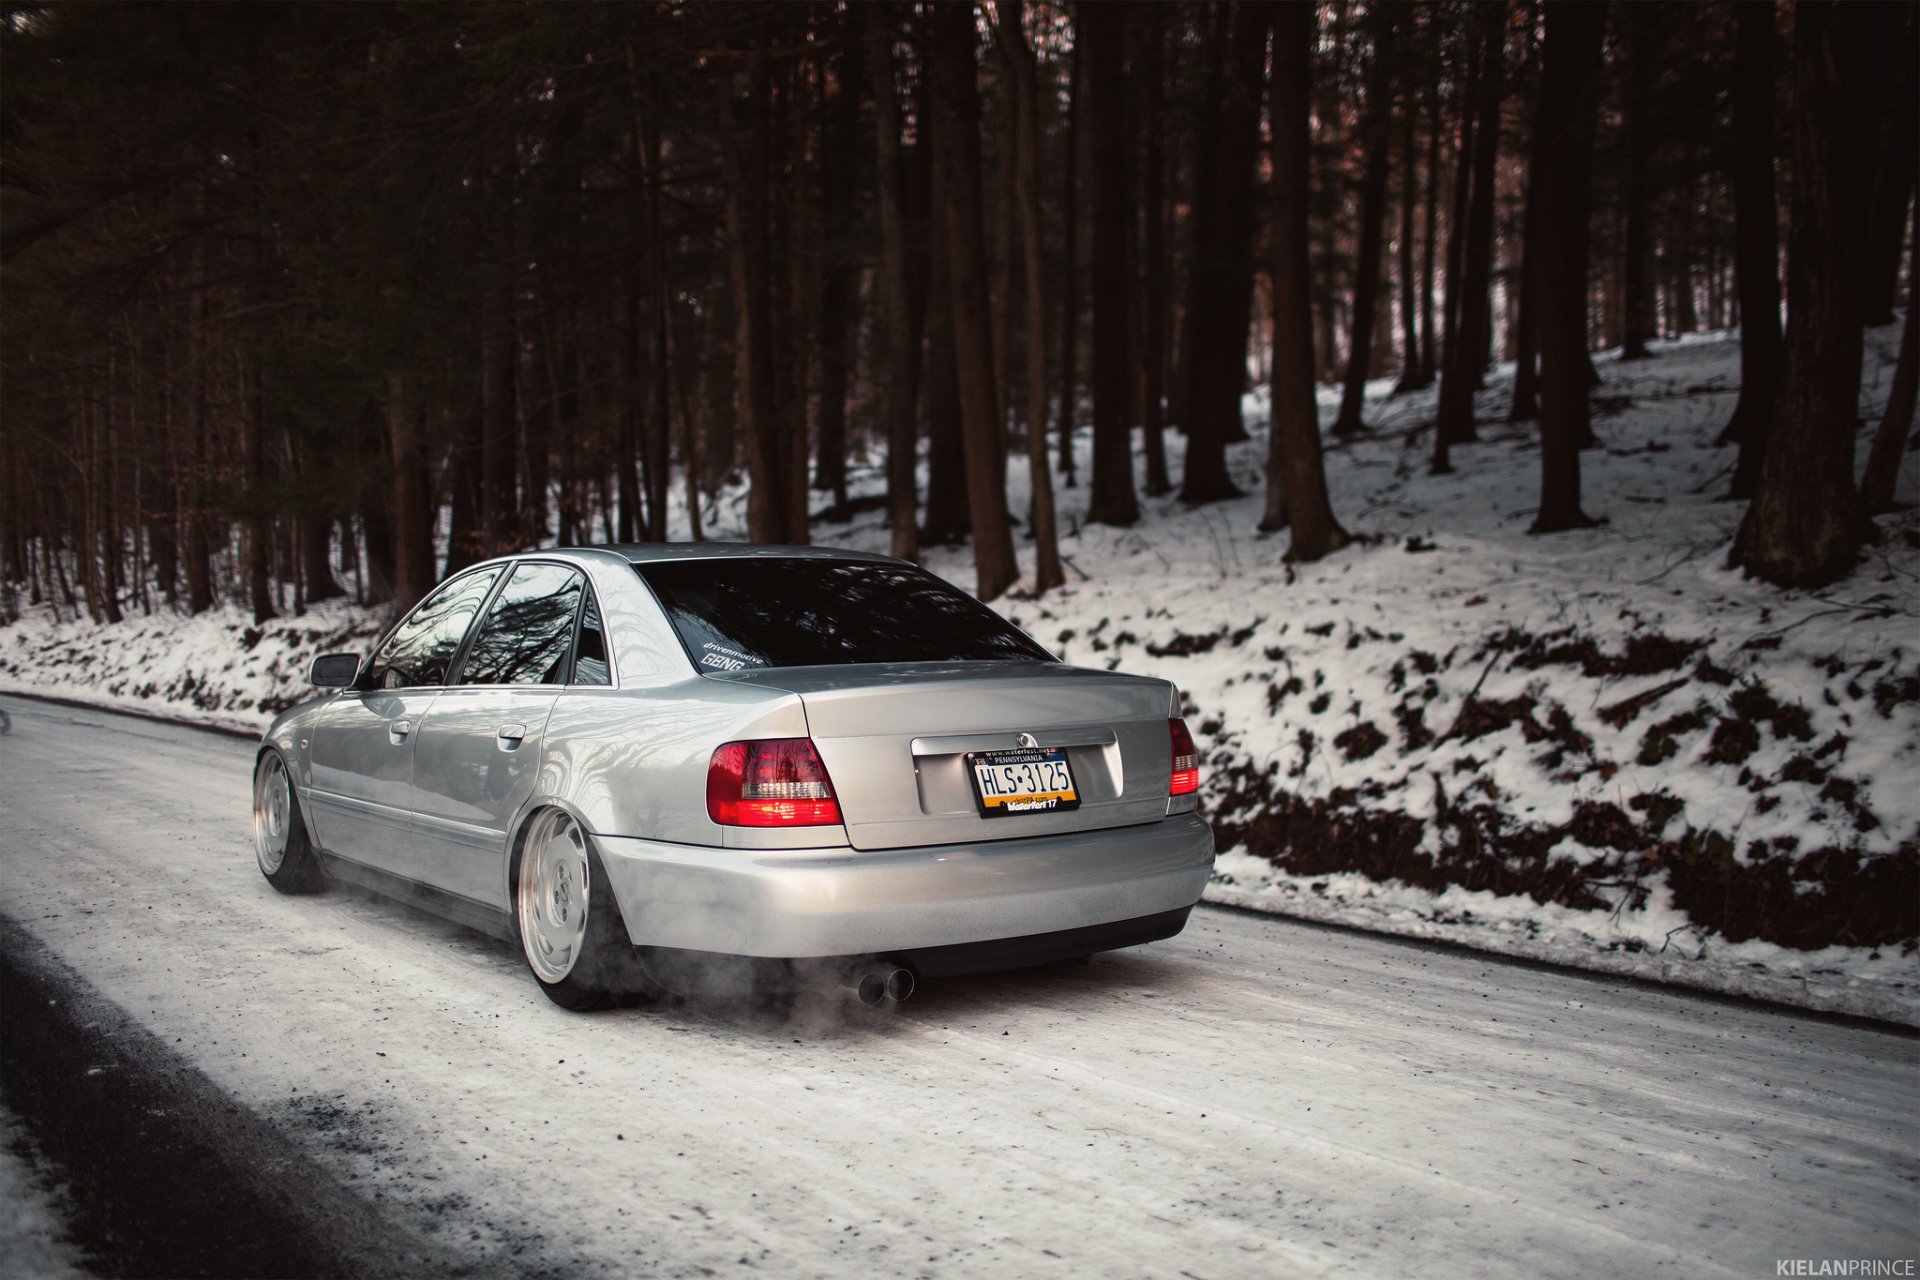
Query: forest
<point x="304" y="301"/>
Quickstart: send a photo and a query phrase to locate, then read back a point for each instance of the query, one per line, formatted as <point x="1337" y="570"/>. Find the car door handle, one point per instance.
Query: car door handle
<point x="398" y="730"/>
<point x="510" y="735"/>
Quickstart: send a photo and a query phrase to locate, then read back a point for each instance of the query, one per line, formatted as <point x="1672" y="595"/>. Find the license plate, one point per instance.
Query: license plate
<point x="1016" y="782"/>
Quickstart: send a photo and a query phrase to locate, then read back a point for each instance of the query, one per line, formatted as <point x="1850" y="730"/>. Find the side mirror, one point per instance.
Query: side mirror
<point x="334" y="670"/>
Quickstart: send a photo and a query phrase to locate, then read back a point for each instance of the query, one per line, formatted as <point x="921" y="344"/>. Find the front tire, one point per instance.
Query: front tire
<point x="280" y="841"/>
<point x="571" y="933"/>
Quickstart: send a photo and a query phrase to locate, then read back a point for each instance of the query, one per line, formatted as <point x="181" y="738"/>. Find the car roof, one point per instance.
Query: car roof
<point x="656" y="552"/>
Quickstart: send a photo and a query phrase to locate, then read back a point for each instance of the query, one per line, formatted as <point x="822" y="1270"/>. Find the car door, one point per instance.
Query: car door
<point x="477" y="750"/>
<point x="360" y="753"/>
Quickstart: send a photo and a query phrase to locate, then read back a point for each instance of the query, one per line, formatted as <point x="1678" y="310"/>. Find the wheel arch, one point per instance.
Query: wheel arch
<point x="303" y="808"/>
<point x="517" y="841"/>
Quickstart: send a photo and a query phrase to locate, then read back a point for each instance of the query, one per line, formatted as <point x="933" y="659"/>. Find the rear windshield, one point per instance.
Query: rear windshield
<point x="742" y="615"/>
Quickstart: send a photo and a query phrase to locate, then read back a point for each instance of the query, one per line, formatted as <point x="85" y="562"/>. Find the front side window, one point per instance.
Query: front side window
<point x="528" y="635"/>
<point x="741" y="615"/>
<point x="421" y="648"/>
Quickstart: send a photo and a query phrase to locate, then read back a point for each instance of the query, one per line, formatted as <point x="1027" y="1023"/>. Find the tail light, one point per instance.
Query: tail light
<point x="770" y="782"/>
<point x="1185" y="778"/>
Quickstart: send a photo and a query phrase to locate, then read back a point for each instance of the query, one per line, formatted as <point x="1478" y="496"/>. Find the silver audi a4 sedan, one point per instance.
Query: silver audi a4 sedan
<point x="649" y="764"/>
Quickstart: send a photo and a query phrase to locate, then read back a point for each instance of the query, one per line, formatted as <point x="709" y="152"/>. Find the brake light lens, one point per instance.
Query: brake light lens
<point x="1185" y="779"/>
<point x="770" y="782"/>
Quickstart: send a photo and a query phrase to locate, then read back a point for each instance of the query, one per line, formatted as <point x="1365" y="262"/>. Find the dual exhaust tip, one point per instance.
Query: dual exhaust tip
<point x="880" y="983"/>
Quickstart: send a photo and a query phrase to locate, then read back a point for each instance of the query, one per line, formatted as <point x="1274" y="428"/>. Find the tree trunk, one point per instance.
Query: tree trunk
<point x="1103" y="28"/>
<point x="1377" y="137"/>
<point x="1220" y="292"/>
<point x="1070" y="268"/>
<point x="1431" y="236"/>
<point x="947" y="520"/>
<point x="1409" y="288"/>
<point x="316" y="534"/>
<point x="1047" y="570"/>
<point x="1644" y="23"/>
<point x="956" y="139"/>
<point x="1882" y="478"/>
<point x="1296" y="478"/>
<point x="1476" y="311"/>
<point x="1899" y="45"/>
<point x="1006" y="212"/>
<point x="1803" y="528"/>
<point x="1453" y="420"/>
<point x="1154" y="272"/>
<point x="628" y="465"/>
<point x="839" y="140"/>
<point x="744" y="132"/>
<point x="901" y="389"/>
<point x="1569" y="105"/>
<point x="796" y="209"/>
<point x="412" y="499"/>
<point x="500" y="513"/>
<point x="259" y="523"/>
<point x="1756" y="242"/>
<point x="1526" y="328"/>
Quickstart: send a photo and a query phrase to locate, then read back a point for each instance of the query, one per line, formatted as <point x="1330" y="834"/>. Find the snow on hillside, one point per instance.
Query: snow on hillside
<point x="1601" y="748"/>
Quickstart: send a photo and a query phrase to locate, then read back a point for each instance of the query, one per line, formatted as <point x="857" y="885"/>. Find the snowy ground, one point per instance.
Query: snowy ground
<point x="32" y="1211"/>
<point x="1255" y="1097"/>
<point x="1601" y="748"/>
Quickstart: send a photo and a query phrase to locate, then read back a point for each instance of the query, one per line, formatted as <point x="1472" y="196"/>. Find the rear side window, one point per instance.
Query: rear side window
<point x="528" y="634"/>
<point x="421" y="648"/>
<point x="741" y="615"/>
<point x="590" y="663"/>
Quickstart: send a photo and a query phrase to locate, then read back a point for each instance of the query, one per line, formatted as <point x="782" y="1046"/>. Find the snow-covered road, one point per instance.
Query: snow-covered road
<point x="1256" y="1097"/>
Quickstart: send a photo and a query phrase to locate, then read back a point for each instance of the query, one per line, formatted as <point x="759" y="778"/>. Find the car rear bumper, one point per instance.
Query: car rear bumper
<point x="841" y="902"/>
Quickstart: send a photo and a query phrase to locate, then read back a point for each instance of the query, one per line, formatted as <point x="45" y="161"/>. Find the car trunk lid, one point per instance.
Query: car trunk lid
<point x="897" y="741"/>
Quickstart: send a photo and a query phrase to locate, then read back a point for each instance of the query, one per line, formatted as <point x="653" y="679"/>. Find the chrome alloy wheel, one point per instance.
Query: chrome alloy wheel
<point x="553" y="896"/>
<point x="272" y="814"/>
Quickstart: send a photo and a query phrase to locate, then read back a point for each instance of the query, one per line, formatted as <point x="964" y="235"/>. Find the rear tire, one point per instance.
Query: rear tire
<point x="569" y="926"/>
<point x="280" y="842"/>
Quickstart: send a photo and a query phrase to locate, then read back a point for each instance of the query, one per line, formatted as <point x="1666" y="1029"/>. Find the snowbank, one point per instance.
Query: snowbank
<point x="1599" y="748"/>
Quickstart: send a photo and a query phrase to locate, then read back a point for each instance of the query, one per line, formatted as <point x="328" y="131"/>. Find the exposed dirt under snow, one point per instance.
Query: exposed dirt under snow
<point x="1601" y="747"/>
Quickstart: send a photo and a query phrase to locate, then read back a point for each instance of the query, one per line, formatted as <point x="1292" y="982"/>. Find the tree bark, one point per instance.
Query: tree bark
<point x="1377" y="137"/>
<point x="259" y="523"/>
<point x="1006" y="213"/>
<point x="500" y="513"/>
<point x="1803" y="527"/>
<point x="1643" y="23"/>
<point x="1899" y="45"/>
<point x="1476" y="311"/>
<point x="412" y="499"/>
<point x="1569" y="104"/>
<point x="1047" y="570"/>
<point x="901" y="389"/>
<point x="956" y="139"/>
<point x="1882" y="478"/>
<point x="1296" y="478"/>
<point x="316" y="532"/>
<point x="1103" y="29"/>
<point x="838" y="181"/>
<point x="657" y="427"/>
<point x="1526" y="329"/>
<point x="1070" y="268"/>
<point x="1409" y="287"/>
<point x="1756" y="242"/>
<point x="744" y="143"/>
<point x="1220" y="278"/>
<point x="1453" y="419"/>
<point x="947" y="520"/>
<point x="1154" y="272"/>
<point x="1430" y="238"/>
